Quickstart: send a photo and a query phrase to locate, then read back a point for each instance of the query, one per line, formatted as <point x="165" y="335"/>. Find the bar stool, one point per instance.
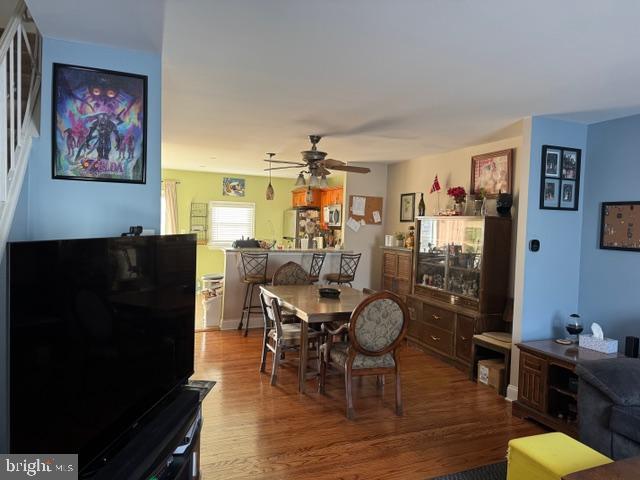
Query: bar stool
<point x="348" y="266"/>
<point x="254" y="266"/>
<point x="317" y="260"/>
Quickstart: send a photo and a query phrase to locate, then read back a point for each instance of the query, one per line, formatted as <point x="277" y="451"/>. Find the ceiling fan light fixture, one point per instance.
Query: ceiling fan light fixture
<point x="323" y="181"/>
<point x="313" y="180"/>
<point x="300" y="180"/>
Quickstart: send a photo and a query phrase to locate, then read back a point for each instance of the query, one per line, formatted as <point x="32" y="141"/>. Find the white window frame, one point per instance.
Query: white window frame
<point x="249" y="233"/>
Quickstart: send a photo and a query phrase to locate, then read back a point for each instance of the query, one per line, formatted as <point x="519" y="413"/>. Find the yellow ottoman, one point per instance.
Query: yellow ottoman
<point x="549" y="456"/>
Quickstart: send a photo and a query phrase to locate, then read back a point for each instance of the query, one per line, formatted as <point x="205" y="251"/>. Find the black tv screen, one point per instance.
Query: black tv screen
<point x="100" y="330"/>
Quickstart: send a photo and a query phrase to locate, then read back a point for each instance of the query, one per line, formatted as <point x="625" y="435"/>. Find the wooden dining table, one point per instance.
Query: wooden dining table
<point x="310" y="308"/>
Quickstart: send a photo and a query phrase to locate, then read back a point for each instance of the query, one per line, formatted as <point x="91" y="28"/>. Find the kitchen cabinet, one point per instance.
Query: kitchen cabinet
<point x="299" y="198"/>
<point x="396" y="270"/>
<point x="328" y="197"/>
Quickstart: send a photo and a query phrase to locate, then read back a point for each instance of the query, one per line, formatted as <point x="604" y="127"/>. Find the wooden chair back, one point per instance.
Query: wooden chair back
<point x="291" y="273"/>
<point x="271" y="312"/>
<point x="348" y="265"/>
<point x="378" y="324"/>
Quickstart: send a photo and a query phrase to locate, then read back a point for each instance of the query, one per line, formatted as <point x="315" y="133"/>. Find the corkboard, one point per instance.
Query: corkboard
<point x="620" y="226"/>
<point x="372" y="204"/>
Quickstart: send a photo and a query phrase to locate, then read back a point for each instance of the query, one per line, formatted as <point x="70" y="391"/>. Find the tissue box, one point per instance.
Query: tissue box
<point x="604" y="345"/>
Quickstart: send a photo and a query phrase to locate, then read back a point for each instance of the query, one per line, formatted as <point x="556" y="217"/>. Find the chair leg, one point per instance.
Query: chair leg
<point x="323" y="373"/>
<point x="348" y="380"/>
<point x="244" y="307"/>
<point x="263" y="360"/>
<point x="246" y="327"/>
<point x="276" y="363"/>
<point x="398" y="392"/>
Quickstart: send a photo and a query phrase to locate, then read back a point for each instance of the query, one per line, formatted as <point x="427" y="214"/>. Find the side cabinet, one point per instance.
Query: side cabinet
<point x="532" y="382"/>
<point x="396" y="270"/>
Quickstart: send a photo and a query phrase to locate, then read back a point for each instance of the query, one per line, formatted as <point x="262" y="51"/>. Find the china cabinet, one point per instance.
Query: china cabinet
<point x="460" y="282"/>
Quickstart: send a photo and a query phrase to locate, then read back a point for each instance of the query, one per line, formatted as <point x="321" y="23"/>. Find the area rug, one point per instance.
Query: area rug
<point x="495" y="471"/>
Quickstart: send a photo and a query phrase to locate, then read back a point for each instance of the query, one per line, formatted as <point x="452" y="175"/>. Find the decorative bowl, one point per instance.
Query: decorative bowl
<point x="328" y="292"/>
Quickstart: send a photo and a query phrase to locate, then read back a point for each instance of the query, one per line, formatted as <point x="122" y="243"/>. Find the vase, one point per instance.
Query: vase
<point x="503" y="204"/>
<point x="458" y="207"/>
<point x="477" y="206"/>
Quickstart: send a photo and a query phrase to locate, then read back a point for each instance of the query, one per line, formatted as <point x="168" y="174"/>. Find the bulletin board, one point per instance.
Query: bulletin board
<point x="372" y="209"/>
<point x="620" y="226"/>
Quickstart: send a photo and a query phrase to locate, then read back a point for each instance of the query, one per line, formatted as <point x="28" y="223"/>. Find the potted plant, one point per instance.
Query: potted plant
<point x="459" y="195"/>
<point x="399" y="239"/>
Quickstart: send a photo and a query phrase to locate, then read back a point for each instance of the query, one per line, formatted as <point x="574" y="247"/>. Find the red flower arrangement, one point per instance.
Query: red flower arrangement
<point x="458" y="194"/>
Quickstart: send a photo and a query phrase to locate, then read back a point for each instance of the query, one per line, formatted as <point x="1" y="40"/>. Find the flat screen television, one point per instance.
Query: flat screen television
<point x="100" y="331"/>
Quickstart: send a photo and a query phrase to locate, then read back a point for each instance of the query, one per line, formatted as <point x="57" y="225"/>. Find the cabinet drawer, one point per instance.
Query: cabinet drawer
<point x="438" y="317"/>
<point x="390" y="264"/>
<point x="404" y="266"/>
<point x="438" y="339"/>
<point x="464" y="336"/>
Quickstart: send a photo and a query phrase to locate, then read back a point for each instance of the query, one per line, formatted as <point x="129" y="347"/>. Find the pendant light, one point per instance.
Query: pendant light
<point x="323" y="181"/>
<point x="313" y="180"/>
<point x="270" y="192"/>
<point x="300" y="180"/>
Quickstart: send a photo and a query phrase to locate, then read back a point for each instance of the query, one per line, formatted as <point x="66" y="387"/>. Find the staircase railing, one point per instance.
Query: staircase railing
<point x="20" y="78"/>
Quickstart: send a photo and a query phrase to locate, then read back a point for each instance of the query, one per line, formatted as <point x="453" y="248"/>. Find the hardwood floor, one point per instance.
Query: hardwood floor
<point x="252" y="430"/>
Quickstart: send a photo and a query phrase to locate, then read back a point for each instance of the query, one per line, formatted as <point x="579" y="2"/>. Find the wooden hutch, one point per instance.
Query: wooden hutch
<point x="460" y="281"/>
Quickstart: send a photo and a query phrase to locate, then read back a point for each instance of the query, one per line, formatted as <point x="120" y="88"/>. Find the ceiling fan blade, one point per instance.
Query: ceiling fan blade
<point x="347" y="168"/>
<point x="323" y="171"/>
<point x="330" y="162"/>
<point x="283" y="161"/>
<point x="281" y="168"/>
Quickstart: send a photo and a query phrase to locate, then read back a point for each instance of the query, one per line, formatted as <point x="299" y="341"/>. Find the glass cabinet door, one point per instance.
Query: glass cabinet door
<point x="449" y="254"/>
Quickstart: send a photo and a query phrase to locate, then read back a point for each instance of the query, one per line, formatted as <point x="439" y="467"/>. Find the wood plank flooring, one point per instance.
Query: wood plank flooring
<point x="255" y="431"/>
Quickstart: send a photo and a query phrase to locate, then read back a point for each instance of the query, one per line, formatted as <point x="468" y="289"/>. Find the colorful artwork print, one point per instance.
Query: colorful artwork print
<point x="99" y="125"/>
<point x="491" y="173"/>
<point x="233" y="187"/>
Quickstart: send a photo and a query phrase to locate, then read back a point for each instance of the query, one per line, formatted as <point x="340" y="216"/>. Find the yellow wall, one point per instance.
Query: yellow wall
<point x="206" y="187"/>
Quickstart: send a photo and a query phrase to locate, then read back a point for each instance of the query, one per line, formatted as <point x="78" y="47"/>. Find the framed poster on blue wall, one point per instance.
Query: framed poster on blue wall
<point x="99" y="125"/>
<point x="560" y="178"/>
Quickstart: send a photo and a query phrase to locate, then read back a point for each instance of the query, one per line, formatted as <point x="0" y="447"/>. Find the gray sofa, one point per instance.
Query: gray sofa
<point x="609" y="406"/>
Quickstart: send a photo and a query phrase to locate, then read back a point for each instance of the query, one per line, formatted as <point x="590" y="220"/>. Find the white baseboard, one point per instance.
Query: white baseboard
<point x="512" y="393"/>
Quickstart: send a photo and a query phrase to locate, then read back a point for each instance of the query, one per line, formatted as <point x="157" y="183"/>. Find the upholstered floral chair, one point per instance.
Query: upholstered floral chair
<point x="291" y="273"/>
<point x="376" y="329"/>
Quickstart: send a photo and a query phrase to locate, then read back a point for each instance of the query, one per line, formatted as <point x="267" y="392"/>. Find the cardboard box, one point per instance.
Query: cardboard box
<point x="491" y="373"/>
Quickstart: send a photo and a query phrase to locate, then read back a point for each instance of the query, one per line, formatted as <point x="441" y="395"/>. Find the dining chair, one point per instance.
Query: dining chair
<point x="291" y="273"/>
<point x="348" y="266"/>
<point x="317" y="260"/>
<point x="280" y="337"/>
<point x="254" y="269"/>
<point x="375" y="332"/>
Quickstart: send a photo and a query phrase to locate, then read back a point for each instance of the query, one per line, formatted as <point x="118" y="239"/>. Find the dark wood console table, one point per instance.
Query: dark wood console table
<point x="621" y="470"/>
<point x="548" y="384"/>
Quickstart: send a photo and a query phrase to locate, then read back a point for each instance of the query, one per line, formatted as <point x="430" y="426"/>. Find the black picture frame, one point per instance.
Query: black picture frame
<point x="82" y="97"/>
<point x="411" y="198"/>
<point x="560" y="178"/>
<point x="631" y="226"/>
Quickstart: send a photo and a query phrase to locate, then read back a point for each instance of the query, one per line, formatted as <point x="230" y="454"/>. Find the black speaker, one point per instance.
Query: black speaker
<point x="631" y="347"/>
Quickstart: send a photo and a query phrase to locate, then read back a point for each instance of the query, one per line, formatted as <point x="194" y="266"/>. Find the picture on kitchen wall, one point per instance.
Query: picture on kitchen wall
<point x="233" y="187"/>
<point x="620" y="226"/>
<point x="491" y="173"/>
<point x="99" y="125"/>
<point x="560" y="178"/>
<point x="407" y="207"/>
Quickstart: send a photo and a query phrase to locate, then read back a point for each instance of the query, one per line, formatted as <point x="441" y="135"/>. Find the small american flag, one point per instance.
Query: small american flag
<point x="436" y="185"/>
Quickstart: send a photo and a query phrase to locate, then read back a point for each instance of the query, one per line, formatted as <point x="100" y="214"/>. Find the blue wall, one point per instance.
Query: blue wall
<point x="69" y="209"/>
<point x="609" y="292"/>
<point x="551" y="275"/>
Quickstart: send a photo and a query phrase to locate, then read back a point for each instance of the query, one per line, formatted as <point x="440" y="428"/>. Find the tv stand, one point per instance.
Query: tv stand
<point x="165" y="446"/>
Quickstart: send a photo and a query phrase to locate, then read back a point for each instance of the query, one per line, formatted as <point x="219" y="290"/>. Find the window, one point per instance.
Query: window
<point x="231" y="221"/>
<point x="163" y="213"/>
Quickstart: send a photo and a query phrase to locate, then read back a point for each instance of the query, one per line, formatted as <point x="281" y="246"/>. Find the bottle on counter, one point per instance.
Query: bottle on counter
<point x="421" y="206"/>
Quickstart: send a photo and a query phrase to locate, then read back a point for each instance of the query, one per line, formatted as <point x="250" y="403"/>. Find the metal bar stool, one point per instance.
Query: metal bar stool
<point x="254" y="266"/>
<point x="316" y="266"/>
<point x="348" y="266"/>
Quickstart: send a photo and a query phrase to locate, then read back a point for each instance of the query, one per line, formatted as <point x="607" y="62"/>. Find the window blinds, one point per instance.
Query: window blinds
<point x="231" y="221"/>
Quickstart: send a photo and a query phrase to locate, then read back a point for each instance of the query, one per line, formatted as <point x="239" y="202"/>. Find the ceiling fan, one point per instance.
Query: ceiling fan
<point x="316" y="165"/>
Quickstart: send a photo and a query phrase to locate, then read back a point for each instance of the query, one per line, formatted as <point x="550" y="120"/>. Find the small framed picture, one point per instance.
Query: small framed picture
<point x="552" y="163"/>
<point x="567" y="194"/>
<point x="233" y="187"/>
<point x="560" y="178"/>
<point x="407" y="207"/>
<point x="551" y="188"/>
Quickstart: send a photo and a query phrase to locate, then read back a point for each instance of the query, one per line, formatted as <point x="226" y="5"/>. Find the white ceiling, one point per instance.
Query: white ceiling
<point x="386" y="79"/>
<point x="132" y="24"/>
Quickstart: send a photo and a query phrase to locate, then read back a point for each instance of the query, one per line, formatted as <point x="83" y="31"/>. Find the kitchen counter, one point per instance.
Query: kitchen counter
<point x="234" y="287"/>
